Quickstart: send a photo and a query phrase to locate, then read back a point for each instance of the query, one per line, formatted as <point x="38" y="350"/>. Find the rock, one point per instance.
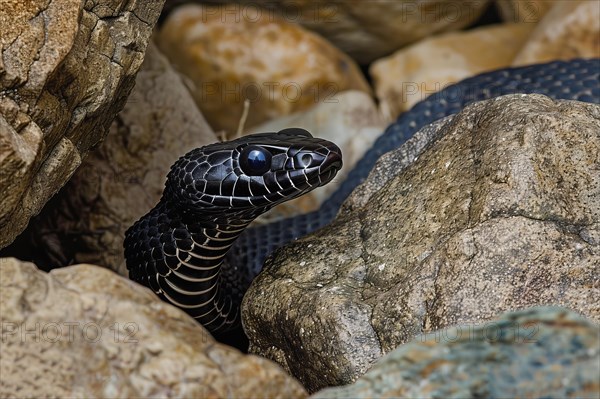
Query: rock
<point x="570" y="29"/>
<point x="367" y="30"/>
<point x="395" y="161"/>
<point x="413" y="73"/>
<point x="500" y="212"/>
<point x="524" y="11"/>
<point x="351" y="120"/>
<point x="534" y="353"/>
<point x="124" y="178"/>
<point x="278" y="66"/>
<point x="83" y="331"/>
<point x="65" y="71"/>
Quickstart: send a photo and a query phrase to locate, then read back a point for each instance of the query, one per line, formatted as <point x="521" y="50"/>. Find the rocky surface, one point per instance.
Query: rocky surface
<point x="413" y="73"/>
<point x="367" y="30"/>
<point x="83" y="331"/>
<point x="351" y="120"/>
<point x="396" y="161"/>
<point x="124" y="177"/>
<point x="500" y="212"/>
<point x="535" y="353"/>
<point x="66" y="68"/>
<point x="570" y="29"/>
<point x="222" y="52"/>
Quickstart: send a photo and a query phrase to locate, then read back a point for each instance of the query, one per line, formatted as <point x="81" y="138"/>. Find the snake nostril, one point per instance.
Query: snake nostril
<point x="336" y="165"/>
<point x="333" y="161"/>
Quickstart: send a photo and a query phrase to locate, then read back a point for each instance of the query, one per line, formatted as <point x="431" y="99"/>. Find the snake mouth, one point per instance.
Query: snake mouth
<point x="333" y="161"/>
<point x="329" y="168"/>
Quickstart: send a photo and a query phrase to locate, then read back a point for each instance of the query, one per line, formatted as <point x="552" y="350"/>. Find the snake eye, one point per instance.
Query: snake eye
<point x="255" y="161"/>
<point x="306" y="160"/>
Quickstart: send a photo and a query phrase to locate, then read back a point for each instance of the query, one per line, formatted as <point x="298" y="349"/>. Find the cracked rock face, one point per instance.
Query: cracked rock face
<point x="123" y="178"/>
<point x="83" y="331"/>
<point x="66" y="68"/>
<point x="538" y="352"/>
<point x="500" y="211"/>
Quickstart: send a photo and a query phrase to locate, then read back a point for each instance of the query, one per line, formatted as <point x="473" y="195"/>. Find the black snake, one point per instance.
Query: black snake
<point x="193" y="248"/>
<point x="212" y="193"/>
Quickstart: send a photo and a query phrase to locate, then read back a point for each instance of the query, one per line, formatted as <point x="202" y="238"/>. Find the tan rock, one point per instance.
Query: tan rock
<point x="351" y="120"/>
<point x="499" y="212"/>
<point x="570" y="29"/>
<point x="124" y="178"/>
<point x="66" y="68"/>
<point x="230" y="56"/>
<point x="83" y="331"/>
<point x="413" y="73"/>
<point x="524" y="11"/>
<point x="367" y="30"/>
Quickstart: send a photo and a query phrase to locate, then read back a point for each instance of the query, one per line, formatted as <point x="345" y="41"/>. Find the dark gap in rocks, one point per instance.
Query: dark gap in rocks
<point x="236" y="338"/>
<point x="48" y="250"/>
<point x="489" y="17"/>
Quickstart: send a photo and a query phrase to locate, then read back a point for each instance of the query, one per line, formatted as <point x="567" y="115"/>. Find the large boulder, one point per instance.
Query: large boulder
<point x="278" y="66"/>
<point x="500" y="211"/>
<point x="83" y="331"/>
<point x="66" y="69"/>
<point x="534" y="353"/>
<point x="123" y="178"/>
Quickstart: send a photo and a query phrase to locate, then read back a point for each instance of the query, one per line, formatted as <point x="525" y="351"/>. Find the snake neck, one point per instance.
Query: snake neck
<point x="221" y="286"/>
<point x="182" y="260"/>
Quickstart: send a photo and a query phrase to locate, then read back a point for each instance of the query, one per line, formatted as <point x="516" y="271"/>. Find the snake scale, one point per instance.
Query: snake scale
<point x="194" y="250"/>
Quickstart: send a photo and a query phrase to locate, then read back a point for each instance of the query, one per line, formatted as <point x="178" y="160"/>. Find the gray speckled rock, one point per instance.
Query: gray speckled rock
<point x="395" y="162"/>
<point x="533" y="353"/>
<point x="501" y="212"/>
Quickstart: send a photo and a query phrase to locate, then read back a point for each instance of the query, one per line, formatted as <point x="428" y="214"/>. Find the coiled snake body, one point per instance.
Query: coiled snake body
<point x="193" y="248"/>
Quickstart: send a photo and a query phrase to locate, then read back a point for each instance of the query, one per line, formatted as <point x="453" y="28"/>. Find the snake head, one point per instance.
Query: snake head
<point x="254" y="172"/>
